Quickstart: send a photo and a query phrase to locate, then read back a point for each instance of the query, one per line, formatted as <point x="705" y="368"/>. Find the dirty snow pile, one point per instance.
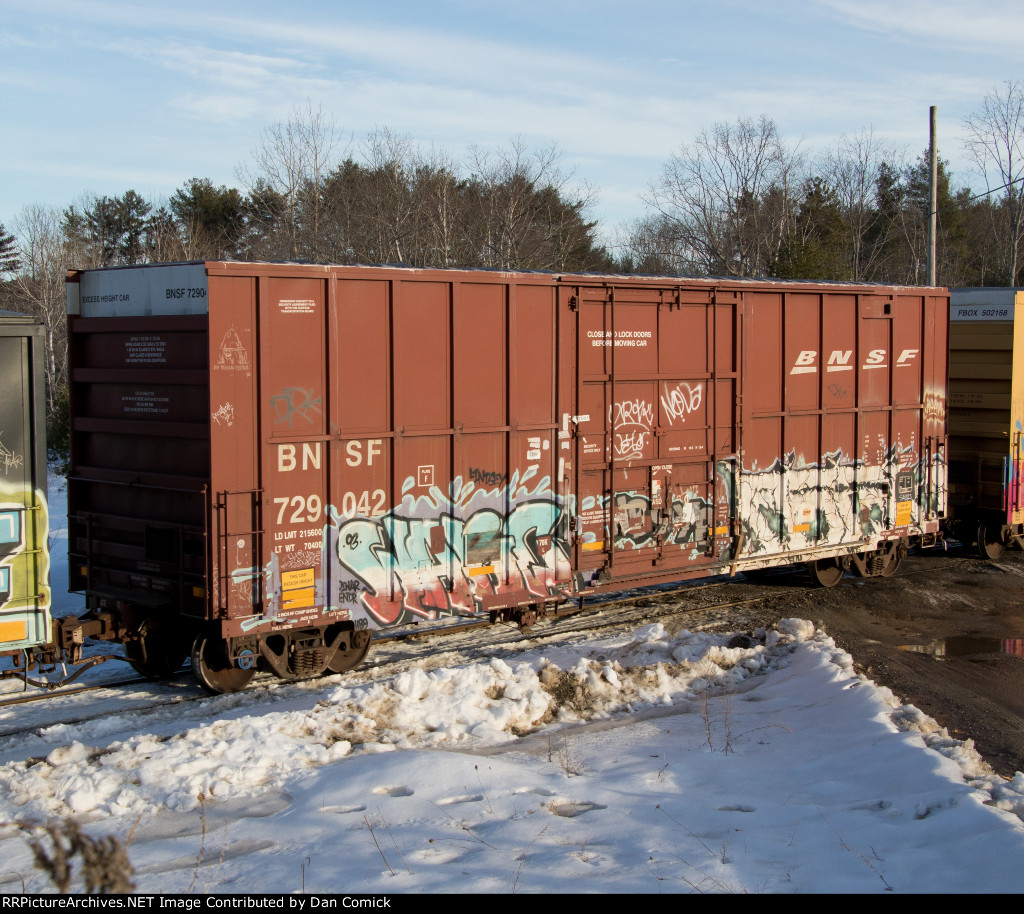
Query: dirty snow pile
<point x="650" y="762"/>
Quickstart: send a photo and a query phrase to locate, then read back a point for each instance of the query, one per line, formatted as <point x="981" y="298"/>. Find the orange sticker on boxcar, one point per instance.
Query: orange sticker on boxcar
<point x="13" y="631"/>
<point x="294" y="580"/>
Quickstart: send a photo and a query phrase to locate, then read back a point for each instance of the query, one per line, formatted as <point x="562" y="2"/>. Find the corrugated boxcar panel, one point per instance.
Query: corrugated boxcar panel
<point x="293" y="421"/>
<point x="908" y="354"/>
<point x="685" y="399"/>
<point x="838" y="347"/>
<point x="654" y="422"/>
<point x="140" y="344"/>
<point x="852" y="465"/>
<point x="802" y="319"/>
<point x="365" y="484"/>
<point x="236" y="576"/>
<point x="532" y="354"/>
<point x="149" y="456"/>
<point x="24" y="555"/>
<point x="634" y="348"/>
<point x="140" y="457"/>
<point x="763" y="376"/>
<point x="986" y="416"/>
<point x="801" y="523"/>
<point x="173" y="403"/>
<point x="632" y="421"/>
<point x="470" y="521"/>
<point x="874" y="359"/>
<point x="682" y="338"/>
<point x="360" y="341"/>
<point x="421" y="355"/>
<point x="479" y="346"/>
<point x="725" y="416"/>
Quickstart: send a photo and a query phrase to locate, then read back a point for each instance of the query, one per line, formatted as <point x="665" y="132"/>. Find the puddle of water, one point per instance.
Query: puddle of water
<point x="963" y="645"/>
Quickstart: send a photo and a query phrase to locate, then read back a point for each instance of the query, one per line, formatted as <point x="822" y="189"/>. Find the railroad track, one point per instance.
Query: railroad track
<point x="638" y="607"/>
<point x="563" y="623"/>
<point x="634" y="607"/>
<point x="396" y="648"/>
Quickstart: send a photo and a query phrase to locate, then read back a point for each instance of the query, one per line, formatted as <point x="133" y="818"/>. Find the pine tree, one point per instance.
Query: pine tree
<point x="10" y="262"/>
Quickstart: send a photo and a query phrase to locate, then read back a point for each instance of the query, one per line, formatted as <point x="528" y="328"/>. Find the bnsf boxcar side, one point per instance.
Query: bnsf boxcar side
<point x="272" y="460"/>
<point x="986" y="416"/>
<point x="24" y="555"/>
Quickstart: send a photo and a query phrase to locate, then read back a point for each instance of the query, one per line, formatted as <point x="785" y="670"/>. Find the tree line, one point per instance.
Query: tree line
<point x="740" y="200"/>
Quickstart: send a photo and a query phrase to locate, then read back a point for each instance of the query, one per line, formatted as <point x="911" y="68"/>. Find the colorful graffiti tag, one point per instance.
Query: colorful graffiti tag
<point x="24" y="566"/>
<point x="10" y="543"/>
<point x="441" y="554"/>
<point x="793" y="505"/>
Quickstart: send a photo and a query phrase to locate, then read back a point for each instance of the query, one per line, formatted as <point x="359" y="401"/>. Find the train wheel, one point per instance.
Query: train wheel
<point x="990" y="542"/>
<point x="893" y="561"/>
<point x="345" y="660"/>
<point x="825" y="572"/>
<point x="214" y="671"/>
<point x="155" y="659"/>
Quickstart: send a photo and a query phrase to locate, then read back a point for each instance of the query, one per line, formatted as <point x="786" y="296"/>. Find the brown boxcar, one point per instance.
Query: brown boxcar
<point x="986" y="417"/>
<point x="269" y="461"/>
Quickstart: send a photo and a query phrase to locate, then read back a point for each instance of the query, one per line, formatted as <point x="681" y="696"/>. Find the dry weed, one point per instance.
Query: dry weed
<point x="105" y="867"/>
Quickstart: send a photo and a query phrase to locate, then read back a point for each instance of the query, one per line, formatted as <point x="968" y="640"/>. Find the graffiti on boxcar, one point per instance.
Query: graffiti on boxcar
<point x="637" y="524"/>
<point x="934" y="407"/>
<point x="225" y="413"/>
<point x="10" y="544"/>
<point x="231" y="354"/>
<point x="680" y="400"/>
<point x="24" y="570"/>
<point x="295" y="401"/>
<point x="9" y="460"/>
<point x="794" y="505"/>
<point x="435" y="555"/>
<point x="487" y="477"/>
<point x="631" y="421"/>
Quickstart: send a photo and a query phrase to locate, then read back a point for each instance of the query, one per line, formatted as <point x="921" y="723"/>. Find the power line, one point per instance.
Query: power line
<point x="989" y="193"/>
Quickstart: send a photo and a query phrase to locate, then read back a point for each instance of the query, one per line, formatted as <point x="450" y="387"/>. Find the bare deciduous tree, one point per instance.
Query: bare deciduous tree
<point x="853" y="170"/>
<point x="995" y="142"/>
<point x="527" y="214"/>
<point x="293" y="158"/>
<point x="728" y="198"/>
<point x="40" y="286"/>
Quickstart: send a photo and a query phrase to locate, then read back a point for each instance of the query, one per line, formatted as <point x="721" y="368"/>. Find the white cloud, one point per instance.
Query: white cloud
<point x="986" y="25"/>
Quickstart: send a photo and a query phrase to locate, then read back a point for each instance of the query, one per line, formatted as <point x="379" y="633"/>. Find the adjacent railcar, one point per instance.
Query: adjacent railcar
<point x="986" y="417"/>
<point x="270" y="461"/>
<point x="24" y="556"/>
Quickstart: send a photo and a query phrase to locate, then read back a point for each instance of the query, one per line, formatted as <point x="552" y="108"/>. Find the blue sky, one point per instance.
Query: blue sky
<point x="99" y="96"/>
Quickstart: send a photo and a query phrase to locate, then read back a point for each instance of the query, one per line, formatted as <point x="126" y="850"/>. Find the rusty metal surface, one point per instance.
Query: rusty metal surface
<point x="383" y="445"/>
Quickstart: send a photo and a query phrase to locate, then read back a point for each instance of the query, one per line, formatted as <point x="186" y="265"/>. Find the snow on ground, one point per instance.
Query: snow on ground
<point x="641" y="762"/>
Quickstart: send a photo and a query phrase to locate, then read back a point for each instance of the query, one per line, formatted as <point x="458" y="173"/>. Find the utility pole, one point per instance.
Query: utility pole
<point x="933" y="197"/>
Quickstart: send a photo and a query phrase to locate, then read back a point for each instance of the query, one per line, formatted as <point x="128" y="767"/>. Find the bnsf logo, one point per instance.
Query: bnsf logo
<point x="842" y="360"/>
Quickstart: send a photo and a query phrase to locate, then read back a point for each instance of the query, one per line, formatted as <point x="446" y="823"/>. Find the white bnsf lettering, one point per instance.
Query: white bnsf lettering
<point x="356" y="451"/>
<point x="906" y="357"/>
<point x="840" y="360"/>
<point x="288" y="458"/>
<point x="875" y="359"/>
<point x="805" y="362"/>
